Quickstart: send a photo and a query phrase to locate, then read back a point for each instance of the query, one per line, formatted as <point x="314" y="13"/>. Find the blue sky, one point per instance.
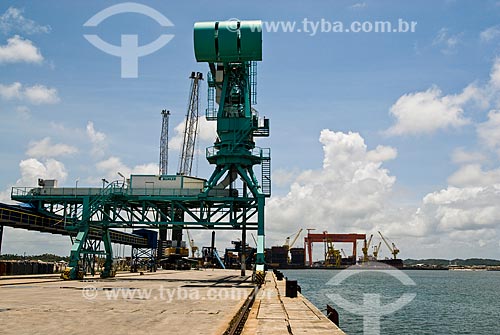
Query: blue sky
<point x="407" y="120"/>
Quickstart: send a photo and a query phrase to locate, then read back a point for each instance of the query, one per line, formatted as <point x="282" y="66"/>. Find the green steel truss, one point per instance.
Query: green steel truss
<point x="117" y="206"/>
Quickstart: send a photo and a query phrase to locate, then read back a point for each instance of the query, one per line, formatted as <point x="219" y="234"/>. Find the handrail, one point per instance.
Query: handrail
<point x="262" y="153"/>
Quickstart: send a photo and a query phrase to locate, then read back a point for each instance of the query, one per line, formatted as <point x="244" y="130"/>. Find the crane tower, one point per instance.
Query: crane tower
<point x="231" y="50"/>
<point x="164" y="142"/>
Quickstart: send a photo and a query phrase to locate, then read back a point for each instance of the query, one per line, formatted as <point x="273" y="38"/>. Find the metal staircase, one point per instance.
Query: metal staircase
<point x="266" y="176"/>
<point x="98" y="202"/>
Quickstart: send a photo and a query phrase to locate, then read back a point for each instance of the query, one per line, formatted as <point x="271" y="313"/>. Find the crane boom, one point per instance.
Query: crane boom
<point x="343" y="253"/>
<point x="385" y="241"/>
<point x="295" y="237"/>
<point x="394" y="251"/>
<point x="365" y="247"/>
<point x="254" y="240"/>
<point x="369" y="241"/>
<point x="191" y="126"/>
<point x="191" y="244"/>
<point x="376" y="249"/>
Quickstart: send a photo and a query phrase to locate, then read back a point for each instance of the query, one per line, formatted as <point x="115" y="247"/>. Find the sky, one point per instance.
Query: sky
<point x="394" y="131"/>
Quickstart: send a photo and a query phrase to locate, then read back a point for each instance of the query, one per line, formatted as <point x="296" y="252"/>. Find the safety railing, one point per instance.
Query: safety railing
<point x="57" y="191"/>
<point x="168" y="192"/>
<point x="115" y="187"/>
<point x="262" y="153"/>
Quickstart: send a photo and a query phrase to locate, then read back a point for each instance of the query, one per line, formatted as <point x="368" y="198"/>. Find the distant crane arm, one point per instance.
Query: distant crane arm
<point x="369" y="241"/>
<point x="295" y="238"/>
<point x="385" y="241"/>
<point x="393" y="249"/>
<point x="254" y="240"/>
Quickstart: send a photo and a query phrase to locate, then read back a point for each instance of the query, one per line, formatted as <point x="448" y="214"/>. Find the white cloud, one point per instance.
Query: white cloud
<point x="474" y="175"/>
<point x="45" y="148"/>
<point x="460" y="156"/>
<point x="32" y="169"/>
<point x="14" y="21"/>
<point x="451" y="195"/>
<point x="489" y="131"/>
<point x="207" y="132"/>
<point x="382" y="153"/>
<point x="428" y="111"/>
<point x="282" y="177"/>
<point x="110" y="167"/>
<point x="97" y="138"/>
<point x="37" y="94"/>
<point x="358" y="5"/>
<point x="446" y="41"/>
<point x="494" y="82"/>
<point x="18" y="50"/>
<point x="40" y="94"/>
<point x="9" y="92"/>
<point x="490" y="33"/>
<point x="348" y="192"/>
<point x="463" y="209"/>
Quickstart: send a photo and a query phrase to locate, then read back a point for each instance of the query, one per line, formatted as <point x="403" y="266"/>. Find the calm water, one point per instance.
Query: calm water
<point x="446" y="302"/>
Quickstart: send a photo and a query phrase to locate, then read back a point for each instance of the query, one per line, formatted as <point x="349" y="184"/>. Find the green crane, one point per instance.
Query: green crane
<point x="231" y="50"/>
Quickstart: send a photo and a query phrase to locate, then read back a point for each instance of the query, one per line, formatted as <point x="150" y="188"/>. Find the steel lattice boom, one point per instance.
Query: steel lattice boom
<point x="191" y="126"/>
<point x="164" y="142"/>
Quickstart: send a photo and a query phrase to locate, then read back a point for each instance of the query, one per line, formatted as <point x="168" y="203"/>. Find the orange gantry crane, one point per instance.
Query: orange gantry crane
<point x="326" y="237"/>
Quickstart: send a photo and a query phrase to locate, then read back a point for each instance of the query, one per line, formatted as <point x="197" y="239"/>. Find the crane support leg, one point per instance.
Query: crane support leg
<point x="73" y="271"/>
<point x="260" y="260"/>
<point x="108" y="249"/>
<point x="1" y="237"/>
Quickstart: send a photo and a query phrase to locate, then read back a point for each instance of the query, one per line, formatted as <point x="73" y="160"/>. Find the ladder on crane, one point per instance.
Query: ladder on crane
<point x="266" y="176"/>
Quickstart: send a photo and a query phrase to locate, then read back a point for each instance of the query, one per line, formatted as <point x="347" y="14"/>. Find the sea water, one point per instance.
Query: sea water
<point x="445" y="302"/>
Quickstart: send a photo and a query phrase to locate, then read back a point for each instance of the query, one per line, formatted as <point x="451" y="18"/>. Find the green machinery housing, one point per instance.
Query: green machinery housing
<point x="232" y="198"/>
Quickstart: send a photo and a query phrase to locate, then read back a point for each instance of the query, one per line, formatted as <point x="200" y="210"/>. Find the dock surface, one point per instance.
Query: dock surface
<point x="164" y="302"/>
<point x="273" y="313"/>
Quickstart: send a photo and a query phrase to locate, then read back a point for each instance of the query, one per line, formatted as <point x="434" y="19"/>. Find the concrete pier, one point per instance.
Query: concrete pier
<point x="165" y="302"/>
<point x="273" y="313"/>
